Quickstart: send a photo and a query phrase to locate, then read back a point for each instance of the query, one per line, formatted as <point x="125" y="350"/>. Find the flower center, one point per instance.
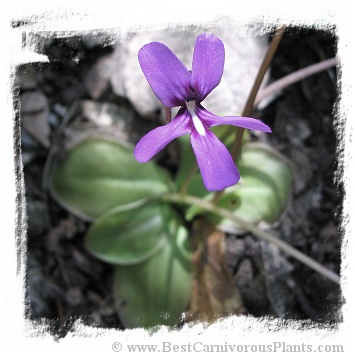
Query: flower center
<point x="191" y="105"/>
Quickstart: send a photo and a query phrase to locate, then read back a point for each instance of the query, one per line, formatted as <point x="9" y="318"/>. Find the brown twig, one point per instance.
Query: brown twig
<point x="294" y="77"/>
<point x="248" y="108"/>
<point x="167" y="115"/>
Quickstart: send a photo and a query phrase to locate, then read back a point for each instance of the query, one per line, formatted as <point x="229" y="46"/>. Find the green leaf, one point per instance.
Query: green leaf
<point x="97" y="175"/>
<point x="131" y="234"/>
<point x="157" y="291"/>
<point x="263" y="192"/>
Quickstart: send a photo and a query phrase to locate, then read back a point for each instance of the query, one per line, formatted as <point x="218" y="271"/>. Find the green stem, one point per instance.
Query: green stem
<point x="187" y="179"/>
<point x="288" y="249"/>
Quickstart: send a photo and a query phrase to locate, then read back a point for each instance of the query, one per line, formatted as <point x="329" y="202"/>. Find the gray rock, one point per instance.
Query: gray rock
<point x="32" y="102"/>
<point x="26" y="77"/>
<point x="99" y="38"/>
<point x="38" y="218"/>
<point x="303" y="170"/>
<point x="277" y="270"/>
<point x="97" y="78"/>
<point x="34" y="116"/>
<point x="94" y="118"/>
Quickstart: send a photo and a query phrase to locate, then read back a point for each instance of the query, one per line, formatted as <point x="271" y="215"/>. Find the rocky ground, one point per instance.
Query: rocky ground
<point x="64" y="282"/>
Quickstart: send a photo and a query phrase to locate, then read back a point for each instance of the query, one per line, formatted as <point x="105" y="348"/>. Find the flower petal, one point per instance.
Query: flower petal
<point x="165" y="73"/>
<point x="210" y="120"/>
<point x="159" y="137"/>
<point x="207" y="64"/>
<point x="217" y="167"/>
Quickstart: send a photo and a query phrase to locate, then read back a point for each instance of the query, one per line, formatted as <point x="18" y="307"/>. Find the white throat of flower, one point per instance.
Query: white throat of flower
<point x="195" y="119"/>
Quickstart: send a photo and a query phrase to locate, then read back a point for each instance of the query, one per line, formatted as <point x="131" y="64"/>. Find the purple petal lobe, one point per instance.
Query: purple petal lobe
<point x="159" y="137"/>
<point x="207" y="64"/>
<point x="217" y="168"/>
<point x="210" y="120"/>
<point x="165" y="73"/>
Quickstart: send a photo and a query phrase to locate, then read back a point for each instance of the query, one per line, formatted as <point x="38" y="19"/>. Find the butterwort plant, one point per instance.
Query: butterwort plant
<point x="146" y="239"/>
<point x="176" y="86"/>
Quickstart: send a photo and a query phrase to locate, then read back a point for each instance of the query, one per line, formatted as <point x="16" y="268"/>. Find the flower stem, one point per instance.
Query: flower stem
<point x="187" y="179"/>
<point x="288" y="249"/>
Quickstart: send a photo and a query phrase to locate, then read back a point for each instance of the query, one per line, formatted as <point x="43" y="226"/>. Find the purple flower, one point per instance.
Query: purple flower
<point x="175" y="86"/>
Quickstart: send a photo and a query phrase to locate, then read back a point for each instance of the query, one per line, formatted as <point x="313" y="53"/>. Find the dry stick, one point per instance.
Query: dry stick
<point x="248" y="108"/>
<point x="288" y="249"/>
<point x="295" y="77"/>
<point x="167" y="115"/>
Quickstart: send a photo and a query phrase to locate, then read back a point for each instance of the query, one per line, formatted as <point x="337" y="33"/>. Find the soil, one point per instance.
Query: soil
<point x="65" y="283"/>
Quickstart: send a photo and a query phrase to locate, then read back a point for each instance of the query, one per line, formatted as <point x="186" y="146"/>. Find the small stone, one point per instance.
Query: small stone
<point x="98" y="39"/>
<point x="27" y="157"/>
<point x="38" y="219"/>
<point x="27" y="142"/>
<point x="98" y="77"/>
<point x="33" y="102"/>
<point x="34" y="116"/>
<point x="26" y="78"/>
<point x="303" y="130"/>
<point x="74" y="296"/>
<point x="101" y="118"/>
<point x="303" y="170"/>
